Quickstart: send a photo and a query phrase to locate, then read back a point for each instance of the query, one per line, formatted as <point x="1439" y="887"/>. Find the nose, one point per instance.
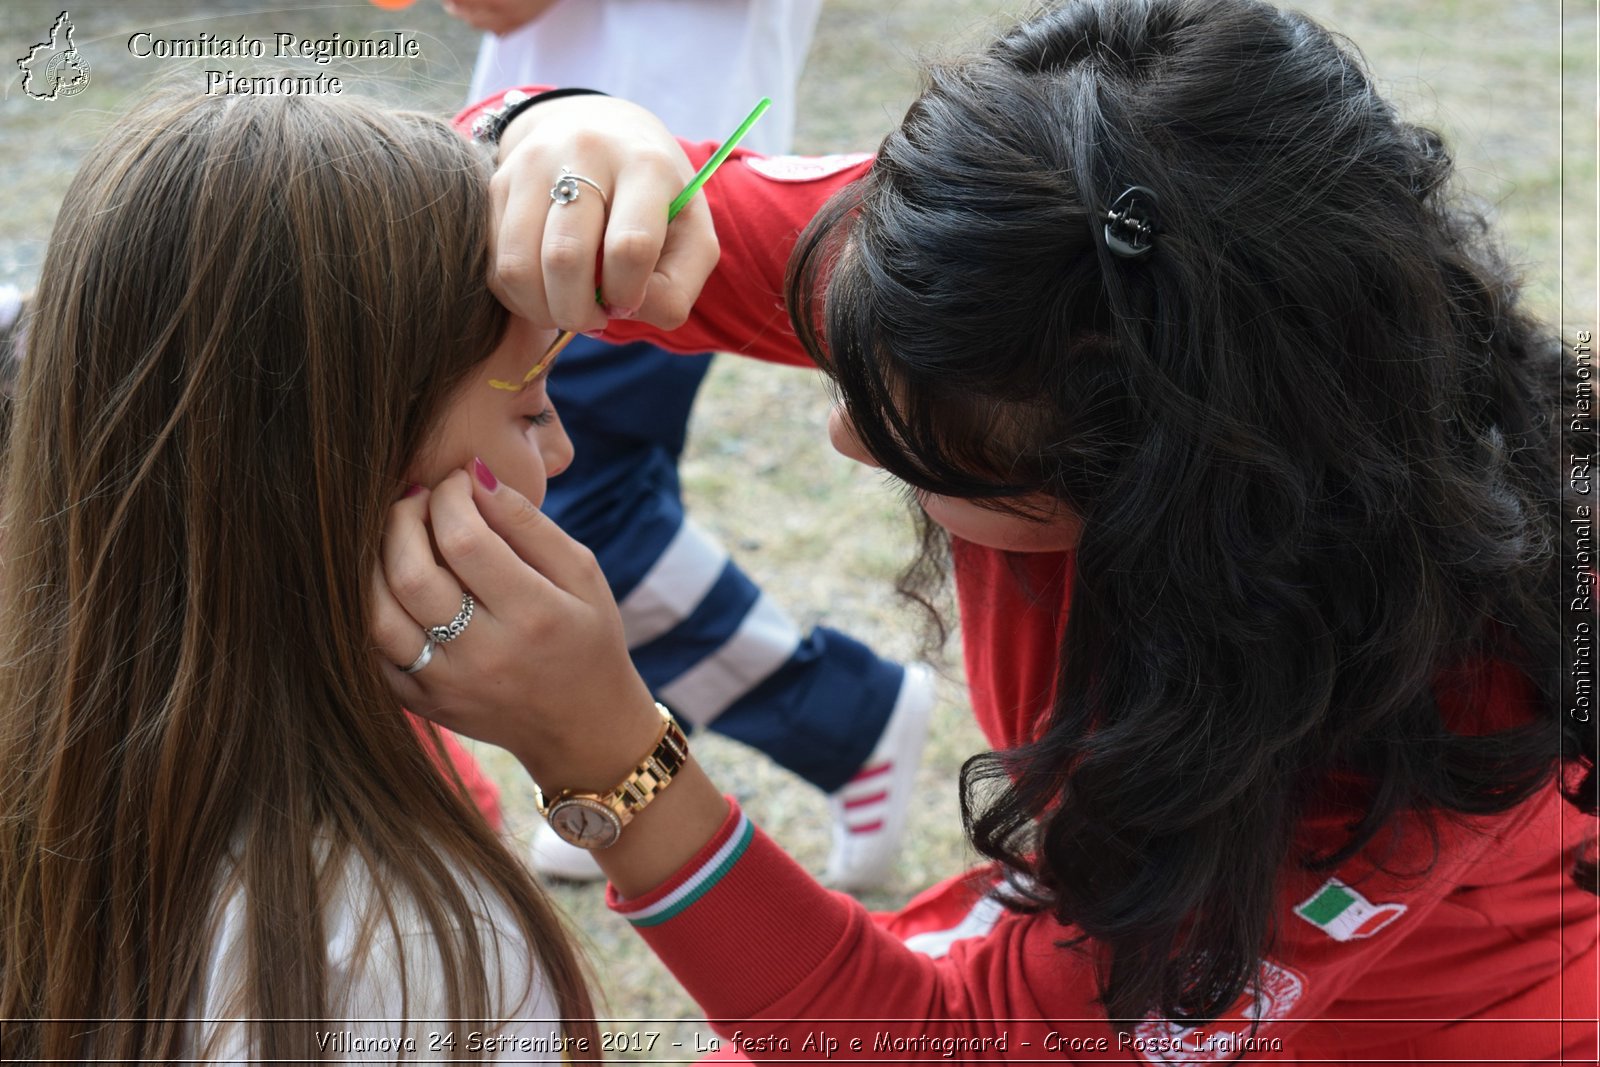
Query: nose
<point x="558" y="451"/>
<point x="842" y="435"/>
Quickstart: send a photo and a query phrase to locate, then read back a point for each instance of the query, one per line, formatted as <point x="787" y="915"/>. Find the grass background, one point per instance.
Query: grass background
<point x="1511" y="83"/>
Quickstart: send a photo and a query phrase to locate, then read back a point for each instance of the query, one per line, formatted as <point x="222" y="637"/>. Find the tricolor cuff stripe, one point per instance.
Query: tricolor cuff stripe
<point x="701" y="881"/>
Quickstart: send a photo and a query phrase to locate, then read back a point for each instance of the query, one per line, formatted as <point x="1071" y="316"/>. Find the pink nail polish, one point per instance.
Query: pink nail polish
<point x="484" y="475"/>
<point x="411" y="491"/>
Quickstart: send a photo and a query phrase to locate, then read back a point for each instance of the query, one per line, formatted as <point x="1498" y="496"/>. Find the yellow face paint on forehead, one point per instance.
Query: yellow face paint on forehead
<point x="527" y="379"/>
<point x="561" y="341"/>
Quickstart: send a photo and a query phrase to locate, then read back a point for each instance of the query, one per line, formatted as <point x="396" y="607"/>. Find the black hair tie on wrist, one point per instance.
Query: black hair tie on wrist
<point x="1131" y="223"/>
<point x="488" y="127"/>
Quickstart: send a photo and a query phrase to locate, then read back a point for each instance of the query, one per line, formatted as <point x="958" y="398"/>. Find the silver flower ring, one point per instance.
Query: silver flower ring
<point x="566" y="190"/>
<point x="456" y="626"/>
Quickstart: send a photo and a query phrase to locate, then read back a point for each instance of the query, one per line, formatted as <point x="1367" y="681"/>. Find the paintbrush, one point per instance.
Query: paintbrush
<point x="701" y="176"/>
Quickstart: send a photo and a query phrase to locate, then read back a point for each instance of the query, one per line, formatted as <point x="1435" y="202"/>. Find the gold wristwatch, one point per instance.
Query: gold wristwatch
<point x="595" y="820"/>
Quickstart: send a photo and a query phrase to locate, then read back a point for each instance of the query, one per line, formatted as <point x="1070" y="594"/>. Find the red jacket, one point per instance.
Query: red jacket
<point x="1479" y="959"/>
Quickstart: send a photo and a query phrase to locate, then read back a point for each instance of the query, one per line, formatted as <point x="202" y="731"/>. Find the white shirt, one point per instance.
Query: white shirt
<point x="364" y="995"/>
<point x="700" y="65"/>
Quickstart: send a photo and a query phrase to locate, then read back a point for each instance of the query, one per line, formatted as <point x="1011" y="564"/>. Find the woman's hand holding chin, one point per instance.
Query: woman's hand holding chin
<point x="542" y="669"/>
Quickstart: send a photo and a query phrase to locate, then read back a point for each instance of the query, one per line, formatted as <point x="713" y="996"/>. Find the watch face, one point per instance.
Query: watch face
<point x="585" y="823"/>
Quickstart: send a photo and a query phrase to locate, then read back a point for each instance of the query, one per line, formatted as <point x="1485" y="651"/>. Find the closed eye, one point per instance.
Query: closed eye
<point x="543" y="418"/>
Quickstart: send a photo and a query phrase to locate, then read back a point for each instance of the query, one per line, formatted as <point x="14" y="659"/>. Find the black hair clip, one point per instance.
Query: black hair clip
<point x="1131" y="222"/>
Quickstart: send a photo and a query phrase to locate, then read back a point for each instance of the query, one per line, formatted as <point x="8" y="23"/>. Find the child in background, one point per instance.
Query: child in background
<point x="712" y="646"/>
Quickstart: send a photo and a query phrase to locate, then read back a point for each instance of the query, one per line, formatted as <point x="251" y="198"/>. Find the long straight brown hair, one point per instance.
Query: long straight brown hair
<point x="249" y="315"/>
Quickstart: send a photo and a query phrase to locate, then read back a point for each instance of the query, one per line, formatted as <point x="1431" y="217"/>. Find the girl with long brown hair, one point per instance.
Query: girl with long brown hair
<point x="259" y="319"/>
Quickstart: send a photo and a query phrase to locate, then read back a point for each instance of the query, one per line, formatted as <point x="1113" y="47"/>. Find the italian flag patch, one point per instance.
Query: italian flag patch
<point x="1345" y="915"/>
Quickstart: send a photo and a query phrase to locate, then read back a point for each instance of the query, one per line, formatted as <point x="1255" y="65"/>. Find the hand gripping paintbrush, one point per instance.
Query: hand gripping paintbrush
<point x="680" y="201"/>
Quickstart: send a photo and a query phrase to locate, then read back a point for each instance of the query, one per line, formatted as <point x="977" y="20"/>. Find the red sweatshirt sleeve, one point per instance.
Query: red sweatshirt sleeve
<point x="1363" y="965"/>
<point x="760" y="205"/>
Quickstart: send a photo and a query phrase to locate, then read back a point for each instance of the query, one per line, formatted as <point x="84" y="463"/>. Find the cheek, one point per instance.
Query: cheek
<point x="444" y="450"/>
<point x="513" y="453"/>
<point x="509" y="447"/>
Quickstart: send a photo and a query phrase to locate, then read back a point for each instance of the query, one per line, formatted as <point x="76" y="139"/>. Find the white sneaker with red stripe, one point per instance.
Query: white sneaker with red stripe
<point x="870" y="812"/>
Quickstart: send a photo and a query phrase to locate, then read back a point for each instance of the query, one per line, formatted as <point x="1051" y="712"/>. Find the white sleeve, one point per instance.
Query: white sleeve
<point x="364" y="988"/>
<point x="368" y="1023"/>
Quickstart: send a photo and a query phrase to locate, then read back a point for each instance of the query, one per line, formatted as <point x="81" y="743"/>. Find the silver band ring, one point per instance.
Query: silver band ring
<point x="566" y="190"/>
<point x="422" y="657"/>
<point x="456" y="626"/>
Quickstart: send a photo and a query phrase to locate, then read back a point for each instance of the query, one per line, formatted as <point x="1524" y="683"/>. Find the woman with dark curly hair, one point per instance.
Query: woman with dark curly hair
<point x="1242" y="450"/>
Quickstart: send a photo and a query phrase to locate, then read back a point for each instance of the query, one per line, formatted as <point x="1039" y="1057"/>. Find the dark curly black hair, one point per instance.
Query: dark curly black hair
<point x="1312" y="438"/>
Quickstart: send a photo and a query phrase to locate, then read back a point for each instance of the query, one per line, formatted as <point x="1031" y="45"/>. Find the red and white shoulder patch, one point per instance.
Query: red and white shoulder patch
<point x="1344" y="914"/>
<point x="804" y="168"/>
<point x="1244" y="1029"/>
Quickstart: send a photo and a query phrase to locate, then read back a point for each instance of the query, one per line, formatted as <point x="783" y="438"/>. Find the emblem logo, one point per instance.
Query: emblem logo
<point x="1345" y="915"/>
<point x="1271" y="996"/>
<point x="55" y="68"/>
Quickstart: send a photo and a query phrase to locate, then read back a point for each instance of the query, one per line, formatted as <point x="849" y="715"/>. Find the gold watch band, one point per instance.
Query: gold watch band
<point x="630" y="796"/>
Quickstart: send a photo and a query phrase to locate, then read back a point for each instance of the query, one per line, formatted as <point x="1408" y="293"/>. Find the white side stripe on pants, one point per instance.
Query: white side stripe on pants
<point x="764" y="641"/>
<point x="674" y="586"/>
